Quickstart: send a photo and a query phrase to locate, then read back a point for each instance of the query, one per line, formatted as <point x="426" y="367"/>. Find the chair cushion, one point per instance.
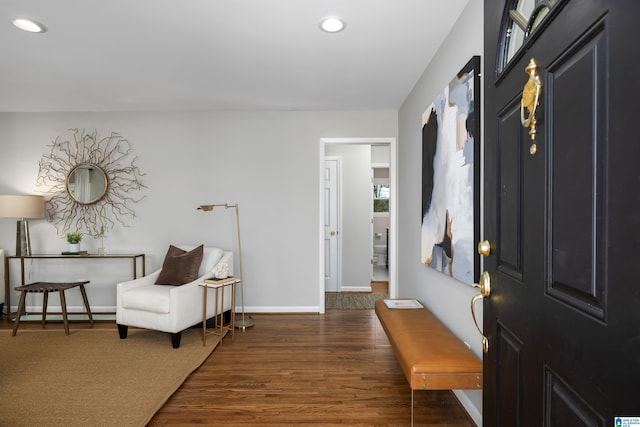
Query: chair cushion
<point x="155" y="299"/>
<point x="180" y="266"/>
<point x="210" y="259"/>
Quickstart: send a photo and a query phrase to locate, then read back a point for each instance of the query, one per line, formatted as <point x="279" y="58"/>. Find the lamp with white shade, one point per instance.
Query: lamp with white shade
<point x="22" y="207"/>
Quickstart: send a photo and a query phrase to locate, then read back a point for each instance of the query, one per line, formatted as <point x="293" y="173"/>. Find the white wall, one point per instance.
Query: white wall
<point x="355" y="214"/>
<point x="380" y="154"/>
<point x="265" y="161"/>
<point x="448" y="299"/>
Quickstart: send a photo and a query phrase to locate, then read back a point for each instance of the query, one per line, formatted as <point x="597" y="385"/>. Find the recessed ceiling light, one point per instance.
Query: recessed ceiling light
<point x="28" y="25"/>
<point x="331" y="24"/>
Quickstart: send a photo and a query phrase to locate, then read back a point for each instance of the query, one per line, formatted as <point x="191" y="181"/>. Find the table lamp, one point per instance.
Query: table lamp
<point x="245" y="322"/>
<point x="22" y="207"/>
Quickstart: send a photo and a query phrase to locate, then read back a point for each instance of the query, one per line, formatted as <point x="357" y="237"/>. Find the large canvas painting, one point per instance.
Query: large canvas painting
<point x="451" y="177"/>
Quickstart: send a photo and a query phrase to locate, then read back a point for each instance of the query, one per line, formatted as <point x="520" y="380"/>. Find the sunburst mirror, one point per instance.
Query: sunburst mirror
<point x="91" y="183"/>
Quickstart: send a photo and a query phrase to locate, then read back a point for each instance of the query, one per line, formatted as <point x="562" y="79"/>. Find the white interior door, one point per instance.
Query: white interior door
<point x="331" y="207"/>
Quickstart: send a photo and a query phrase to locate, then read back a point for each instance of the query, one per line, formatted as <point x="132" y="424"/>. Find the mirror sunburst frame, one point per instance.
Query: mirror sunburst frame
<point x="58" y="177"/>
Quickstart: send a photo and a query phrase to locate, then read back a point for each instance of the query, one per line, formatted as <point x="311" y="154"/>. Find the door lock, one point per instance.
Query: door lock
<point x="484" y="248"/>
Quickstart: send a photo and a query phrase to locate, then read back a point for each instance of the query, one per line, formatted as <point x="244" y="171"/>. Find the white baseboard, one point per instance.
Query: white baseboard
<point x="70" y="317"/>
<point x="474" y="412"/>
<point x="112" y="309"/>
<point x="278" y="309"/>
<point x="355" y="289"/>
<point x="70" y="309"/>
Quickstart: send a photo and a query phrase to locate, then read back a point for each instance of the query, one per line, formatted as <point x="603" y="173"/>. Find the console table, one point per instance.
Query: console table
<point x="134" y="258"/>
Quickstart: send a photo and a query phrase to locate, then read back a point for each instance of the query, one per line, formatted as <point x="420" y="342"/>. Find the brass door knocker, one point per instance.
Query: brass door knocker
<point x="530" y="99"/>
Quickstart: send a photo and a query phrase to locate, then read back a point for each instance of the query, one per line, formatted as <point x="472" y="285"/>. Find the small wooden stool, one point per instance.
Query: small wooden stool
<point x="46" y="287"/>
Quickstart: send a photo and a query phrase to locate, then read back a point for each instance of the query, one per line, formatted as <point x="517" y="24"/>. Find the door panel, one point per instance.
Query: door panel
<point x="510" y="183"/>
<point x="330" y="215"/>
<point x="577" y="99"/>
<point x="563" y="319"/>
<point x="510" y="379"/>
<point x="565" y="407"/>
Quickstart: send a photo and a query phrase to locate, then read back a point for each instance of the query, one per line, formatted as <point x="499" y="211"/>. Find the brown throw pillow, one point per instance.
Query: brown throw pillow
<point x="180" y="266"/>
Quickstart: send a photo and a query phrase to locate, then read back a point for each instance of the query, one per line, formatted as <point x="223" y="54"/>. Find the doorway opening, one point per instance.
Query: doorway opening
<point x="381" y="196"/>
<point x="357" y="216"/>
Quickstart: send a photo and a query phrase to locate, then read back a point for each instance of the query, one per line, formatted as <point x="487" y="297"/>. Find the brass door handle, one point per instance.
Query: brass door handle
<point x="530" y="100"/>
<point x="485" y="292"/>
<point x="333" y="233"/>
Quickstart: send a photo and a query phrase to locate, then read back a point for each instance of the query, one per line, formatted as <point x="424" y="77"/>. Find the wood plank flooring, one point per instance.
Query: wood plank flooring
<point x="296" y="369"/>
<point x="331" y="369"/>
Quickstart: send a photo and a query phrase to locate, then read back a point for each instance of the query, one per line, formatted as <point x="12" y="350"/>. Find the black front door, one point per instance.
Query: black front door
<point x="562" y="212"/>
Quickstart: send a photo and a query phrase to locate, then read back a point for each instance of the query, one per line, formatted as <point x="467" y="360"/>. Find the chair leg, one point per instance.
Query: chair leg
<point x="19" y="313"/>
<point x="45" y="302"/>
<point x="63" y="304"/>
<point x="86" y="304"/>
<point x="175" y="339"/>
<point x="122" y="331"/>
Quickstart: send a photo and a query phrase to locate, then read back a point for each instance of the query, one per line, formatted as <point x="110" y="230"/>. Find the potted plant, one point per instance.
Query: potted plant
<point x="74" y="238"/>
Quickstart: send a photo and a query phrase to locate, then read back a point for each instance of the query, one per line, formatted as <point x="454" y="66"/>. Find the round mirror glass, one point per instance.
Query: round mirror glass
<point x="86" y="183"/>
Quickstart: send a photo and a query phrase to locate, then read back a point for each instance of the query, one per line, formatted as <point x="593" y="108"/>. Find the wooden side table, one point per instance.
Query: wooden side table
<point x="219" y="287"/>
<point x="46" y="287"/>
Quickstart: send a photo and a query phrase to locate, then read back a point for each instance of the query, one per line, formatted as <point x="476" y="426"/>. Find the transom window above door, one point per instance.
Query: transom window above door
<point x="521" y="19"/>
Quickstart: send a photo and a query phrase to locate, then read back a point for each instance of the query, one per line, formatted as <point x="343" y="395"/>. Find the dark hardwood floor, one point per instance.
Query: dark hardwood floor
<point x="295" y="369"/>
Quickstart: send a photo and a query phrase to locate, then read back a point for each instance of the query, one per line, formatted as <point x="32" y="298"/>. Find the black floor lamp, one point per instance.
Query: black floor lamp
<point x="245" y="322"/>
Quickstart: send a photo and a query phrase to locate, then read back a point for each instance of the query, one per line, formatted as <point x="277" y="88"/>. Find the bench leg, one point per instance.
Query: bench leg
<point x="45" y="301"/>
<point x="19" y="313"/>
<point x="412" y="407"/>
<point x="63" y="304"/>
<point x="86" y="303"/>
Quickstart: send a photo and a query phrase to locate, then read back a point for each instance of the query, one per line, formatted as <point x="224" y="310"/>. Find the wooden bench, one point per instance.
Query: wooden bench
<point x="431" y="357"/>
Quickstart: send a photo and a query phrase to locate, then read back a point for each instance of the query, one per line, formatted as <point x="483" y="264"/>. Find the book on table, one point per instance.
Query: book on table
<point x="214" y="281"/>
<point x="403" y="303"/>
<point x="81" y="253"/>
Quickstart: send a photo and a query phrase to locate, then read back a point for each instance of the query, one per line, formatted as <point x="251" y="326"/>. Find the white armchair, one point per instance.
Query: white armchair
<point x="143" y="304"/>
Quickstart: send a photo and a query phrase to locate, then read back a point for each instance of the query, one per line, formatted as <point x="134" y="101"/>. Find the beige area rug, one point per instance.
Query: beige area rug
<point x="351" y="300"/>
<point x="91" y="377"/>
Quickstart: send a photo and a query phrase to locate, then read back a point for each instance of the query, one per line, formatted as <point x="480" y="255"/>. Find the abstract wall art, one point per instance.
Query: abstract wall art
<point x="451" y="177"/>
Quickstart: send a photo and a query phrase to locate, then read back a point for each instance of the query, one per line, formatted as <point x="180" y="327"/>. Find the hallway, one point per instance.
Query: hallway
<point x="380" y="273"/>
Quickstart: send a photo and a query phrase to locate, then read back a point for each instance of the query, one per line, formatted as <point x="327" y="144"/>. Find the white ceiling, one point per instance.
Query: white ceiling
<point x="169" y="55"/>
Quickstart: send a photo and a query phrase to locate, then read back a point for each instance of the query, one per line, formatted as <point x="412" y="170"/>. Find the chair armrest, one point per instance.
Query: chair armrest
<point x="185" y="296"/>
<point x="149" y="279"/>
<point x="227" y="257"/>
<point x="122" y="287"/>
<point x="185" y="305"/>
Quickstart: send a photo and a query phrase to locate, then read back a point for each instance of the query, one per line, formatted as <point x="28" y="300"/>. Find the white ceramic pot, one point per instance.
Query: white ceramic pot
<point x="74" y="247"/>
